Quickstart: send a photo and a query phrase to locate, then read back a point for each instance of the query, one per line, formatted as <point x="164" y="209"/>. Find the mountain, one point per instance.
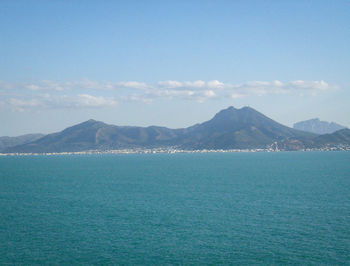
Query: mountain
<point x="340" y="137"/>
<point x="6" y="142"/>
<point x="231" y="128"/>
<point x="241" y="129"/>
<point x="96" y="135"/>
<point x="317" y="126"/>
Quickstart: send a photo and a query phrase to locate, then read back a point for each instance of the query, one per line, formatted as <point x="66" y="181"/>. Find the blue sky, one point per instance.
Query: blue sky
<point x="171" y="63"/>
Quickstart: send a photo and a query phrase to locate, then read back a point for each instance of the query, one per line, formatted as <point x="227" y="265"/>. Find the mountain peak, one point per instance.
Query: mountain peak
<point x="225" y="113"/>
<point x="232" y="113"/>
<point x="232" y="119"/>
<point x="230" y="108"/>
<point x="91" y="121"/>
<point x="312" y="120"/>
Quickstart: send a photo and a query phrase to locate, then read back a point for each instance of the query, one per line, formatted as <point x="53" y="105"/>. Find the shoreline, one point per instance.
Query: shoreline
<point x="169" y="151"/>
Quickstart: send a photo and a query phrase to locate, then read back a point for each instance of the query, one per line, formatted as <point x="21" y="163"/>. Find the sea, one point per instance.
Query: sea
<point x="279" y="208"/>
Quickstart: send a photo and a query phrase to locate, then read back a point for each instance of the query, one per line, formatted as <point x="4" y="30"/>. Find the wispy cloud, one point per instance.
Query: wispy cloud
<point x="198" y="84"/>
<point x="46" y="101"/>
<point x="86" y="100"/>
<point x="217" y="89"/>
<point x="95" y="94"/>
<point x="185" y="94"/>
<point x="48" y="85"/>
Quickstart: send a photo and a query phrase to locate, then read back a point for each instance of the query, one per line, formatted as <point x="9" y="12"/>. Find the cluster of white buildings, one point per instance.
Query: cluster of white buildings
<point x="173" y="150"/>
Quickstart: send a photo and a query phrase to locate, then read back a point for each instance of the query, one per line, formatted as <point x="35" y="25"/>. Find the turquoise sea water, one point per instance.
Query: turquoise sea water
<point x="224" y="208"/>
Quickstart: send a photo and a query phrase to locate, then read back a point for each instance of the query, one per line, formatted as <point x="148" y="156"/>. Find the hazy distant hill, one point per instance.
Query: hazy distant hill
<point x="317" y="126"/>
<point x="231" y="128"/>
<point x="6" y="142"/>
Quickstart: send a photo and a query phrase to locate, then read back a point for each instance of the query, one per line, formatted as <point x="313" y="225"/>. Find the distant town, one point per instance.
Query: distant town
<point x="174" y="150"/>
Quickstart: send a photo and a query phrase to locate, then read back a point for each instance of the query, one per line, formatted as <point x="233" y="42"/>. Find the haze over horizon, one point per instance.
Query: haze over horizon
<point x="171" y="64"/>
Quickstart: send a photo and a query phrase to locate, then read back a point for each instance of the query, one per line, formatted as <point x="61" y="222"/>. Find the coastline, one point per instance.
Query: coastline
<point x="171" y="151"/>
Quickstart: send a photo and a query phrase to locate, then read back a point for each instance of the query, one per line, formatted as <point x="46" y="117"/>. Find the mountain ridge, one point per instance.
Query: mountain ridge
<point x="230" y="128"/>
<point x="6" y="141"/>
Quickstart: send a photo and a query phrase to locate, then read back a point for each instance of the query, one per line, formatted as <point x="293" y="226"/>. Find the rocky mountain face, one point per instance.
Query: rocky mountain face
<point x="231" y="128"/>
<point x="318" y="127"/>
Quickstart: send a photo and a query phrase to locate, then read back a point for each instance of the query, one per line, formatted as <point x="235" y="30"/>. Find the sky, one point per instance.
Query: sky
<point x="171" y="63"/>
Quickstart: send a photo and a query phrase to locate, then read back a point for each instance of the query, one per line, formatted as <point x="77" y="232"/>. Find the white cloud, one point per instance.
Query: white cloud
<point x="86" y="100"/>
<point x="85" y="84"/>
<point x="132" y="85"/>
<point x="313" y="85"/>
<point x="184" y="94"/>
<point x="215" y="84"/>
<point x="45" y="101"/>
<point x="278" y="83"/>
<point x="278" y="87"/>
<point x="195" y="84"/>
<point x="257" y="84"/>
<point x="209" y="94"/>
<point x="22" y="104"/>
<point x="170" y="84"/>
<point x="94" y="94"/>
<point x="95" y="85"/>
<point x="198" y="84"/>
<point x="46" y="85"/>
